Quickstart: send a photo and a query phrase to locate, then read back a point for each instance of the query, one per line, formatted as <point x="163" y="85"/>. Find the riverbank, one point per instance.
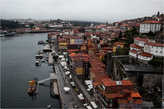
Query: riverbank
<point x="18" y="67"/>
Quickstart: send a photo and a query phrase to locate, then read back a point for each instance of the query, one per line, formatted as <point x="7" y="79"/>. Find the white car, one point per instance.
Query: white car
<point x="67" y="72"/>
<point x="72" y="84"/>
<point x="94" y="105"/>
<point x="70" y="76"/>
<point x="80" y="96"/>
<point x="61" y="56"/>
<point x="66" y="68"/>
<point x="88" y="107"/>
<point x="63" y="59"/>
<point x="67" y="89"/>
<point x="63" y="63"/>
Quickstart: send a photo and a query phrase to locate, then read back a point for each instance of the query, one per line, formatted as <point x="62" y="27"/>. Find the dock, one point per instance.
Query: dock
<point x="50" y="59"/>
<point x="68" y="100"/>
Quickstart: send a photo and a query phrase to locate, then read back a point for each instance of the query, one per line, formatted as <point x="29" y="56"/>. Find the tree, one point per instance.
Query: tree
<point x="31" y="25"/>
<point x="130" y="34"/>
<point x="120" y="35"/>
<point x="9" y="24"/>
<point x="157" y="61"/>
<point x="122" y="51"/>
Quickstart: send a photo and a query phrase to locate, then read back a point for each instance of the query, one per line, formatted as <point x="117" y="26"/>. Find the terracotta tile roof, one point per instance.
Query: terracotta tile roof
<point x="72" y="54"/>
<point x="127" y="83"/>
<point x="96" y="83"/>
<point x="155" y="44"/>
<point x="118" y="43"/>
<point x="73" y="50"/>
<point x="138" y="101"/>
<point x="107" y="48"/>
<point x="114" y="95"/>
<point x="122" y="101"/>
<point x="124" y="24"/>
<point x="141" y="39"/>
<point x="135" y="46"/>
<point x="135" y="95"/>
<point x="133" y="51"/>
<point x="151" y="21"/>
<point x="108" y="83"/>
<point x="146" y="54"/>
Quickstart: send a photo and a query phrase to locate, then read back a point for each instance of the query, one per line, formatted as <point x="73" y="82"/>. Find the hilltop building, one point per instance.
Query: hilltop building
<point x="145" y="49"/>
<point x="150" y="26"/>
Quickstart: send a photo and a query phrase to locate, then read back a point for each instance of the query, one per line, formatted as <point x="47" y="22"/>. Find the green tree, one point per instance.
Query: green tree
<point x="120" y="35"/>
<point x="157" y="61"/>
<point x="122" y="51"/>
<point x="130" y="34"/>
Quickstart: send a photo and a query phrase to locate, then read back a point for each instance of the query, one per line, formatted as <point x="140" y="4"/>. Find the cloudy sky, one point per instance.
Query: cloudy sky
<point x="90" y="10"/>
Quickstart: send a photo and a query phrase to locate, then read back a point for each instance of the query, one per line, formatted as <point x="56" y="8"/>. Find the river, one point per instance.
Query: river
<point x="17" y="57"/>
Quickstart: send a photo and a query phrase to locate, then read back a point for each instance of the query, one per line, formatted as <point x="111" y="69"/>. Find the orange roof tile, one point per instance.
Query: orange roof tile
<point x="72" y="54"/>
<point x="146" y="54"/>
<point x="141" y="39"/>
<point x="138" y="101"/>
<point x="133" y="51"/>
<point x="118" y="43"/>
<point x="151" y="21"/>
<point x="122" y="101"/>
<point x="155" y="44"/>
<point x="135" y="95"/>
<point x="127" y="83"/>
<point x="114" y="95"/>
<point x="135" y="46"/>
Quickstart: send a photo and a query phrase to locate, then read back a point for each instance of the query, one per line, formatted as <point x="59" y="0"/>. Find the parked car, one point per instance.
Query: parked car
<point x="67" y="89"/>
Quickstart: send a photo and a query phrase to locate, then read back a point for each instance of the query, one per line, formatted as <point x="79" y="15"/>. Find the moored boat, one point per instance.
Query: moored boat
<point x="10" y="34"/>
<point x="41" y="42"/>
<point x="37" y="63"/>
<point x="39" y="56"/>
<point x="47" y="48"/>
<point x="32" y="87"/>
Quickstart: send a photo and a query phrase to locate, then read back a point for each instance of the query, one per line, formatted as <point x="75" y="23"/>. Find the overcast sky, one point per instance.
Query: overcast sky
<point x="90" y="10"/>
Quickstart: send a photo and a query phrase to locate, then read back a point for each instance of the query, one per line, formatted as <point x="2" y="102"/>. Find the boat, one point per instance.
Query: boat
<point x="2" y="35"/>
<point x="39" y="56"/>
<point x="40" y="52"/>
<point x="41" y="42"/>
<point x="37" y="63"/>
<point x="49" y="106"/>
<point x="10" y="33"/>
<point x="47" y="48"/>
<point x="32" y="87"/>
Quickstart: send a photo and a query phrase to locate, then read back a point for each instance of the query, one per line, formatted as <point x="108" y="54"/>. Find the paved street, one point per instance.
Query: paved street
<point x="68" y="99"/>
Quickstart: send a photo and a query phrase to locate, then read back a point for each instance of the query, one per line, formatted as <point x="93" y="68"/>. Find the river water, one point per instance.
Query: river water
<point x="18" y="67"/>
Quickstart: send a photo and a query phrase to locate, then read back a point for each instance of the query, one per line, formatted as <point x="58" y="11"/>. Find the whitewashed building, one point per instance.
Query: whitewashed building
<point x="133" y="53"/>
<point x="150" y="26"/>
<point x="140" y="41"/>
<point x="156" y="49"/>
<point x="145" y="56"/>
<point x="145" y="49"/>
